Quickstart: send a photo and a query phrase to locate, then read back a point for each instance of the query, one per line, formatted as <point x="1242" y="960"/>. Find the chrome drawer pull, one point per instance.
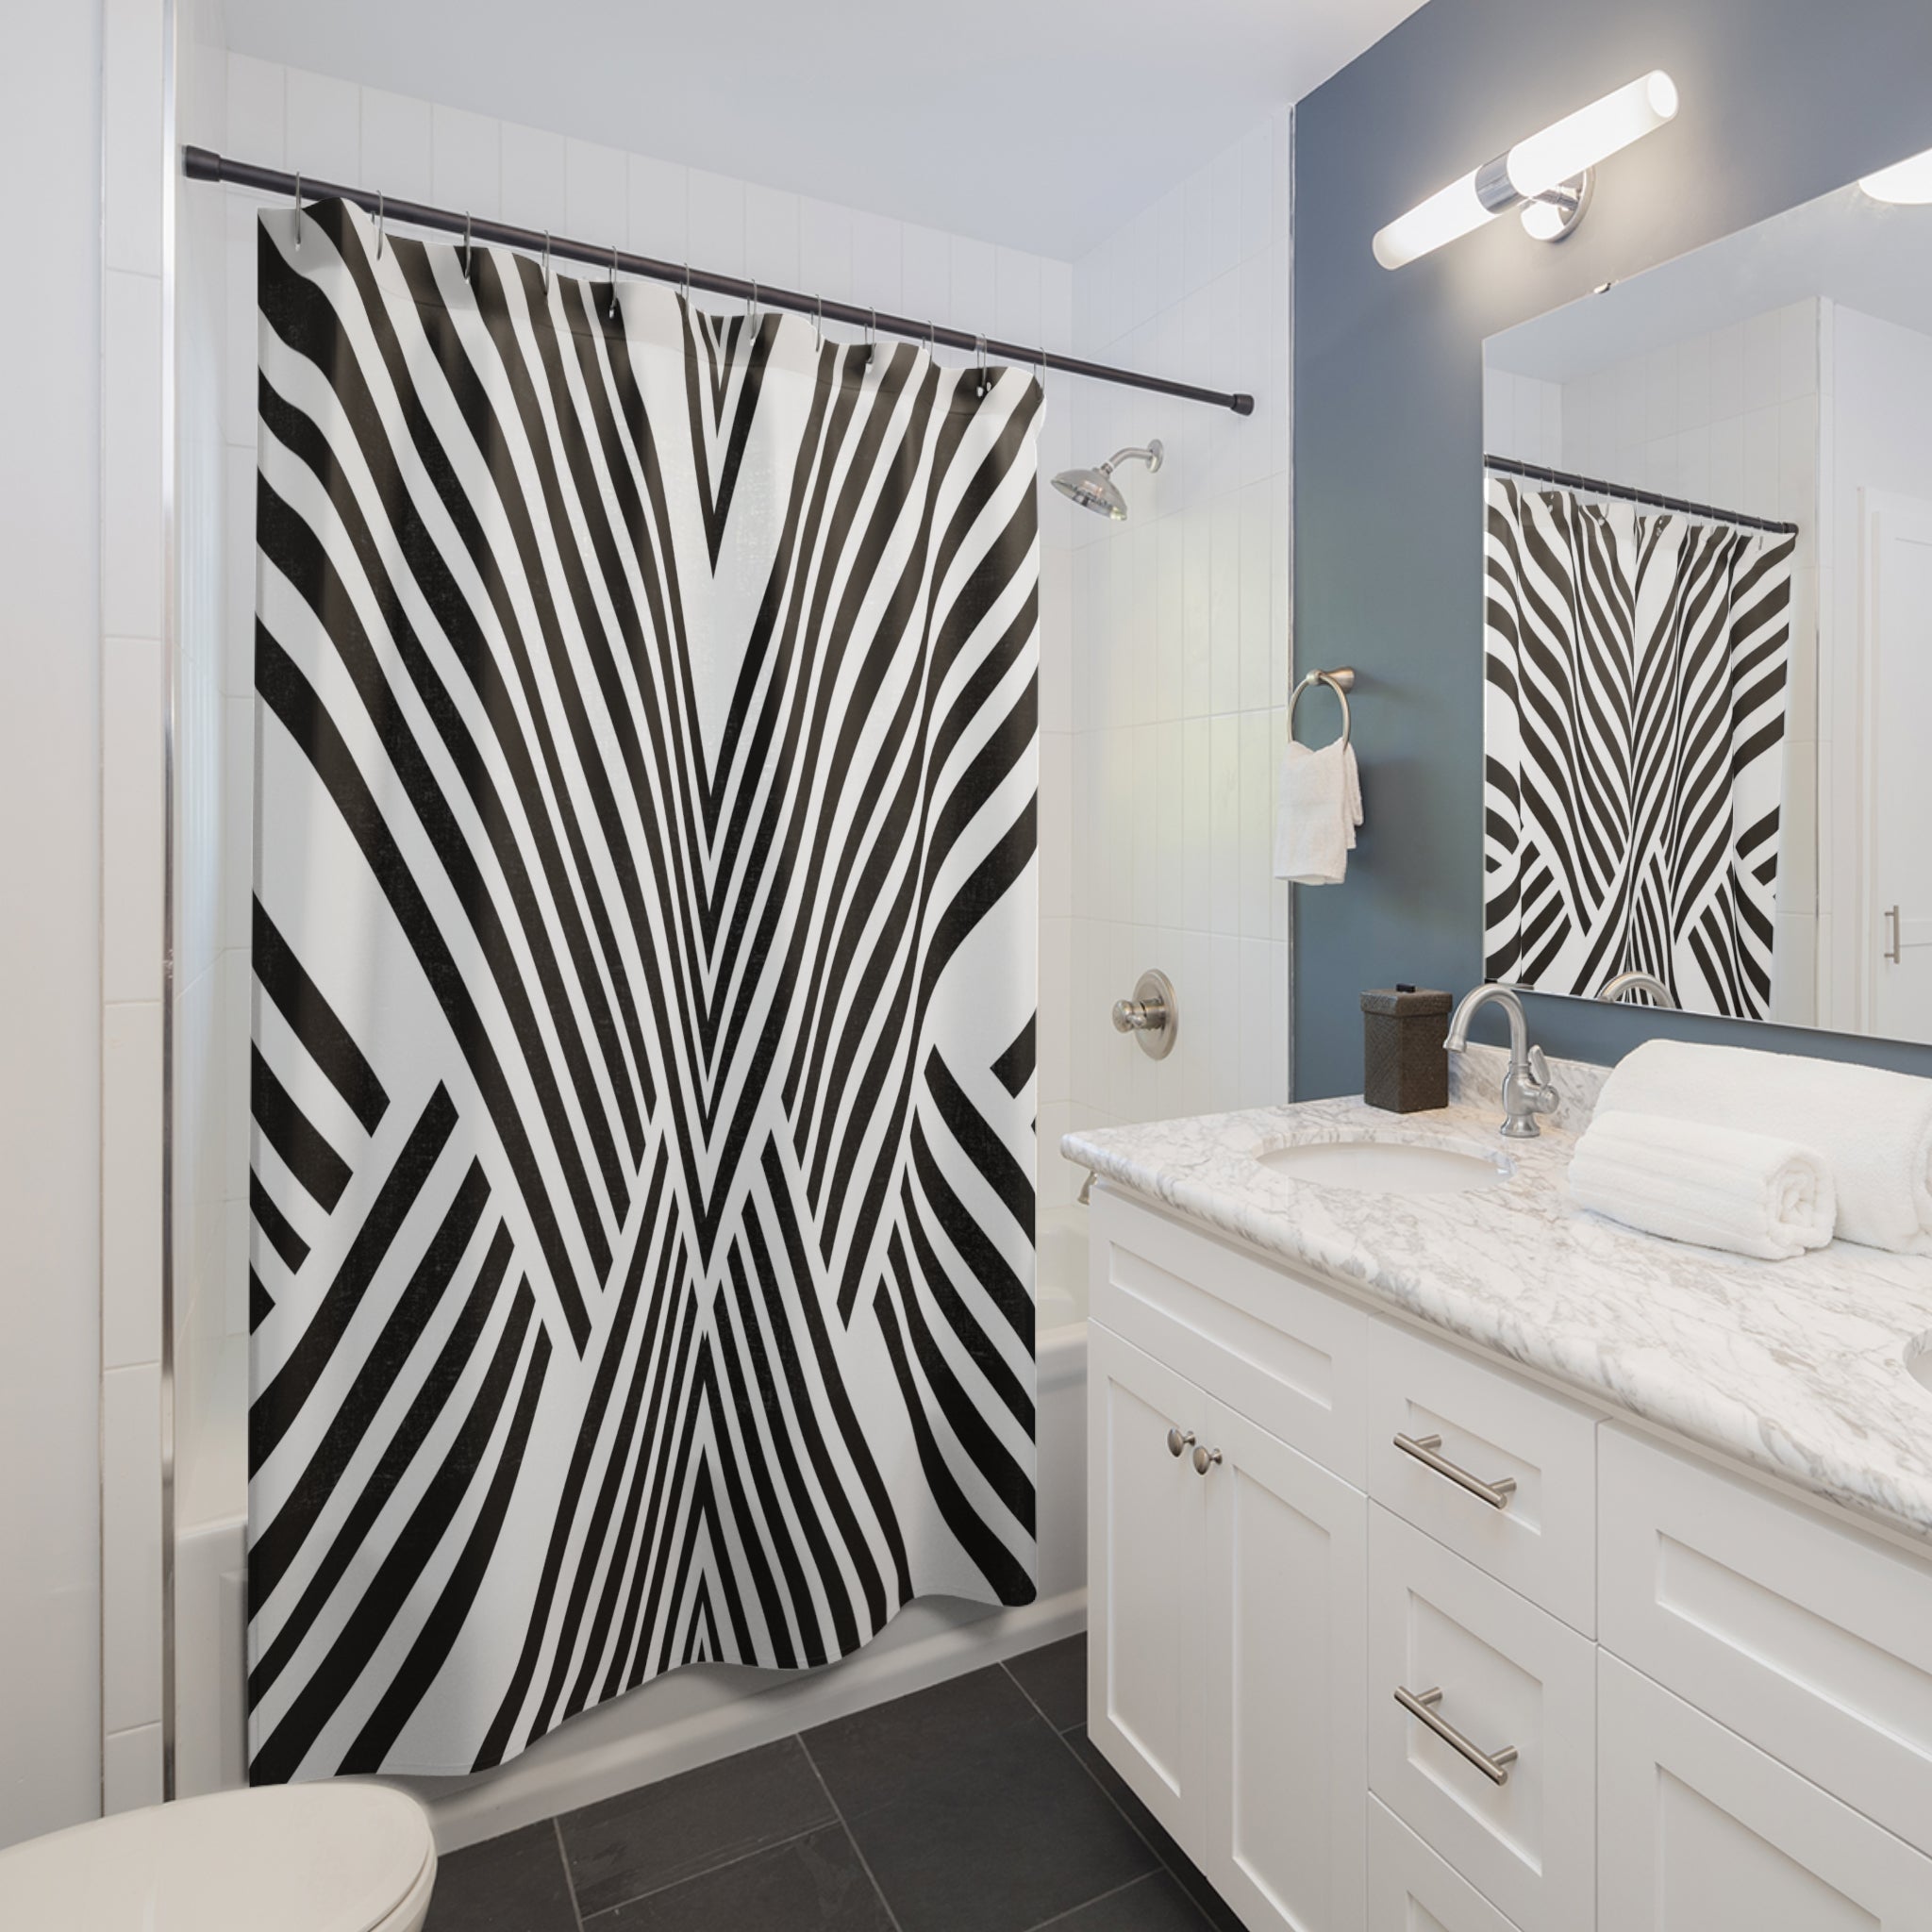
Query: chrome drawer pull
<point x="1494" y="1765"/>
<point x="1423" y="1448"/>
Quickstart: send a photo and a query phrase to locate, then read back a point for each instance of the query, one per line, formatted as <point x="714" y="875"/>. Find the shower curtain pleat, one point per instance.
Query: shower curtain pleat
<point x="645" y="944"/>
<point x="1635" y="670"/>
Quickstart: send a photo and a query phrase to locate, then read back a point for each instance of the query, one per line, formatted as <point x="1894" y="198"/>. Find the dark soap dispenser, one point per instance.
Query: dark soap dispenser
<point x="1405" y="1062"/>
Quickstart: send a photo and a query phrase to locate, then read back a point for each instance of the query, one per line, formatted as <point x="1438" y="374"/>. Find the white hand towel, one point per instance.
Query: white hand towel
<point x="1319" y="807"/>
<point x="1720" y="1186"/>
<point x="1874" y="1128"/>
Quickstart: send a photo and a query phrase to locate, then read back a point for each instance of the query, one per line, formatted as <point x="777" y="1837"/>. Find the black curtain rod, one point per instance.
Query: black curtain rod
<point x="204" y="164"/>
<point x="1595" y="486"/>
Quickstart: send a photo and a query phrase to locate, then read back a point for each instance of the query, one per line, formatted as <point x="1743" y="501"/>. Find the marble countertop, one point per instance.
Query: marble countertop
<point x="1795" y="1367"/>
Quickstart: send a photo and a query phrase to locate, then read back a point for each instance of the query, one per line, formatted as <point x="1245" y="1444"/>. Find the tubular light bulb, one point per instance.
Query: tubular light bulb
<point x="1908" y="183"/>
<point x="1447" y="213"/>
<point x="1590" y="135"/>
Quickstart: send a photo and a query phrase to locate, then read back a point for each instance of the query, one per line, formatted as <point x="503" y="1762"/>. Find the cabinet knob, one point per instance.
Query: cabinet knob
<point x="1177" y="1442"/>
<point x="1205" y="1460"/>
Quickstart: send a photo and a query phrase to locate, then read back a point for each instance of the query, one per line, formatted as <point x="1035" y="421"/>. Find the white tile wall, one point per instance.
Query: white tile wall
<point x="1181" y="652"/>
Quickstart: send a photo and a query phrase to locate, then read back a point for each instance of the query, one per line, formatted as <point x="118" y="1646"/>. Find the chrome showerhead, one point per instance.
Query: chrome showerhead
<point x="1095" y="490"/>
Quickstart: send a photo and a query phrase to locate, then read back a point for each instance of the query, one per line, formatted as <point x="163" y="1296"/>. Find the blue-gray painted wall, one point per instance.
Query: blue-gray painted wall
<point x="1781" y="101"/>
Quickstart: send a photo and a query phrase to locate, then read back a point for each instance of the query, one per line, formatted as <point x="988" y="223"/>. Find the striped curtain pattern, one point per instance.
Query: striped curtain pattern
<point x="644" y="958"/>
<point x="1634" y="722"/>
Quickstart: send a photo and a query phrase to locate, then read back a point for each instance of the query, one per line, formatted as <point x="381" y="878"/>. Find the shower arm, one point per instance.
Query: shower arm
<point x="1150" y="457"/>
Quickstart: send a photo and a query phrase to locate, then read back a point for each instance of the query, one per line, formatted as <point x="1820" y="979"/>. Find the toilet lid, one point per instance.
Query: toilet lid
<point x="320" y="1858"/>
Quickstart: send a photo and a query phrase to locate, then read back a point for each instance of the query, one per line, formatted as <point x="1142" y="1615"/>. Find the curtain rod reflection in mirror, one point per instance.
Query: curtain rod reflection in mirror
<point x="1595" y="486"/>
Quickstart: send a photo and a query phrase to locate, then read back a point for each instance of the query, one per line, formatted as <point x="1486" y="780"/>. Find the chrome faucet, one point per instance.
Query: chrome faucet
<point x="1526" y="1090"/>
<point x="1614" y="989"/>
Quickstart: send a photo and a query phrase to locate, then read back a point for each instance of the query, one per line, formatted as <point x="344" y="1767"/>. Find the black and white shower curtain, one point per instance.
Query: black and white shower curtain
<point x="644" y="959"/>
<point x="1635" y="668"/>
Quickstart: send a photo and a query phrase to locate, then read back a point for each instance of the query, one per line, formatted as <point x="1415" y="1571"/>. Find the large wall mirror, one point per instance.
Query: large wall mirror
<point x="1708" y="642"/>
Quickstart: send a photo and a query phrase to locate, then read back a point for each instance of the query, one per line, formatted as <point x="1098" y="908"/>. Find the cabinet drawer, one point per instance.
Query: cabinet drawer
<point x="1811" y="1641"/>
<point x="1284" y="1351"/>
<point x="1412" y="1889"/>
<point x="1510" y="1676"/>
<point x="1535" y="1451"/>
<point x="1699" y="1829"/>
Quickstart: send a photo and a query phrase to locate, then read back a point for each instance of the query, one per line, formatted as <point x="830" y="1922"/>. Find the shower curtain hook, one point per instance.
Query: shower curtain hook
<point x="1043" y="369"/>
<point x="979" y="344"/>
<point x="298" y="210"/>
<point x="380" y="212"/>
<point x="467" y="260"/>
<point x="613" y="281"/>
<point x="687" y="285"/>
<point x="872" y="337"/>
<point x="751" y="308"/>
<point x="818" y="322"/>
<point x="547" y="263"/>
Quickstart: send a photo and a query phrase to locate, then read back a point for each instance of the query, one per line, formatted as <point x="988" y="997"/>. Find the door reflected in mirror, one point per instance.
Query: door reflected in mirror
<point x="1707" y="637"/>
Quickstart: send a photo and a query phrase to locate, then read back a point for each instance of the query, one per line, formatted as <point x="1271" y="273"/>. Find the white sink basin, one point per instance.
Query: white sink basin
<point x="1387" y="1167"/>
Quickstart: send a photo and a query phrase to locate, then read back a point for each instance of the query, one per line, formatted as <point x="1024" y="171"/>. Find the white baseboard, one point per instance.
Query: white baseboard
<point x="639" y="1737"/>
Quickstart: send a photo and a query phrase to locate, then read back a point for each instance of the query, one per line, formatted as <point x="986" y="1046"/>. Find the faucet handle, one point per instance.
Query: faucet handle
<point x="1544" y="1099"/>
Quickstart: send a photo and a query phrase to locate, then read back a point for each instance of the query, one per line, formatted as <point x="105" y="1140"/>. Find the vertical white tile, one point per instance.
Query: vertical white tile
<point x="130" y="1547"/>
<point x="132" y="157"/>
<point x="1256" y="592"/>
<point x="657" y="215"/>
<point x="130" y="454"/>
<point x="324" y="126"/>
<point x="1255" y="849"/>
<point x="1225" y="196"/>
<point x="1017" y="298"/>
<point x="771" y="236"/>
<point x="238" y="563"/>
<point x="1225" y="1023"/>
<point x="1197" y="680"/>
<point x="1056" y="306"/>
<point x="1055" y="1010"/>
<point x="825" y="250"/>
<point x="1224" y="600"/>
<point x="878" y="263"/>
<point x="1797" y="350"/>
<point x="1763" y="352"/>
<point x="717" y="222"/>
<point x="466" y="160"/>
<point x="256" y="111"/>
<point x="534" y="171"/>
<point x="397" y="145"/>
<point x="1056" y="819"/>
<point x="239" y="352"/>
<point x="131" y="1111"/>
<point x="1255" y="165"/>
<point x="596" y="196"/>
<point x="238" y="826"/>
<point x="131" y="1769"/>
<point x="975" y="292"/>
<point x="1055" y="640"/>
<point x="1224" y="823"/>
<point x="133" y="815"/>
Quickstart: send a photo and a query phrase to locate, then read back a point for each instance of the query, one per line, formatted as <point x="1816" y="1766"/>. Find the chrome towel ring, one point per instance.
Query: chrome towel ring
<point x="1340" y="682"/>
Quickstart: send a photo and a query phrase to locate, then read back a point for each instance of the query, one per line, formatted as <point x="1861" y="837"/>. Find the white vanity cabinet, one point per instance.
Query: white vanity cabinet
<point x="1645" y="1694"/>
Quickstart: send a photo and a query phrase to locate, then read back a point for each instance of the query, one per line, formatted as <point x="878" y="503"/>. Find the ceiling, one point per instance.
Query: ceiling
<point x="1040" y="124"/>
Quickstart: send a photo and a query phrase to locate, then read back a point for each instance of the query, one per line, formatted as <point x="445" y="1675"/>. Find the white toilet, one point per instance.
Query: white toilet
<point x="318" y="1858"/>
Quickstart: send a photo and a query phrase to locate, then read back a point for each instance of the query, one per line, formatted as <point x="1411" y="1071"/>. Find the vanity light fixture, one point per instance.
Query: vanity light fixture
<point x="1548" y="176"/>
<point x="1906" y="183"/>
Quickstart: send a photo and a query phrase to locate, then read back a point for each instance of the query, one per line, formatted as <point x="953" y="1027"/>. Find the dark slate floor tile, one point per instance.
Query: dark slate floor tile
<point x="515" y="1883"/>
<point x="866" y="1758"/>
<point x="674" y="1830"/>
<point x="1154" y="1903"/>
<point x="1190" y="1877"/>
<point x="1056" y="1679"/>
<point x="1002" y="1833"/>
<point x="817" y="1883"/>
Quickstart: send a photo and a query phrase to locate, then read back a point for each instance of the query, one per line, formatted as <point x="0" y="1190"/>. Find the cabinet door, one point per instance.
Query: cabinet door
<point x="1285" y="1753"/>
<point x="1699" y="1831"/>
<point x="1412" y="1889"/>
<point x="1147" y="1590"/>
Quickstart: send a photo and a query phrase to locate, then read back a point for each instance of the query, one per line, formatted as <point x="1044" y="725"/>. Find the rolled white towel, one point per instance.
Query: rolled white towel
<point x="1720" y="1186"/>
<point x="1874" y="1128"/>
